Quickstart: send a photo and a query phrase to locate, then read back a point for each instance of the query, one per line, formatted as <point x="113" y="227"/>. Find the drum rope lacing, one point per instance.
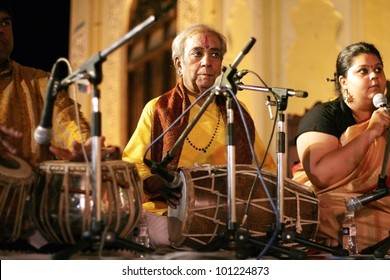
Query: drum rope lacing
<point x="16" y="184"/>
<point x="298" y="226"/>
<point x="298" y="219"/>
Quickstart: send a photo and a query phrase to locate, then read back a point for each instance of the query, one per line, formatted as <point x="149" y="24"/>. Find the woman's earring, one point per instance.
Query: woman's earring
<point x="348" y="96"/>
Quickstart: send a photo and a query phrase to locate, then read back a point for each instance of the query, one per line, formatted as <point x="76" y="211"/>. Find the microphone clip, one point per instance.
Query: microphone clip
<point x="153" y="166"/>
<point x="382" y="182"/>
<point x="226" y="80"/>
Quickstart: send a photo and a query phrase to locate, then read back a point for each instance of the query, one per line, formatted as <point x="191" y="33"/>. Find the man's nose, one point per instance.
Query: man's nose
<point x="206" y="60"/>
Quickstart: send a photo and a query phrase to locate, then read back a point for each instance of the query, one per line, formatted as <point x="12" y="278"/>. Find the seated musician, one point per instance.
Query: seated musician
<point x="341" y="145"/>
<point x="197" y="54"/>
<point x="22" y="98"/>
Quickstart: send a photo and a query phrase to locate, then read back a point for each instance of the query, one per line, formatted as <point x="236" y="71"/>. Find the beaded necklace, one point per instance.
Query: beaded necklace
<point x="212" y="137"/>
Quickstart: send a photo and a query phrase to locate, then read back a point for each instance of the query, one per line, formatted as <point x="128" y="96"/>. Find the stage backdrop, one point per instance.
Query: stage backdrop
<point x="297" y="44"/>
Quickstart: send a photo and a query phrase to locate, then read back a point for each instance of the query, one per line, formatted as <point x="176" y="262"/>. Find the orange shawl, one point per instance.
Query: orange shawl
<point x="373" y="220"/>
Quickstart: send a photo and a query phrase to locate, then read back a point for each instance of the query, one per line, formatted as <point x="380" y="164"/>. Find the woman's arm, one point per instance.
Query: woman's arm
<point x="325" y="161"/>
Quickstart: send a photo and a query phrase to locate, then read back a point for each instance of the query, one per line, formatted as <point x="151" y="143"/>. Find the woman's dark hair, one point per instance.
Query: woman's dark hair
<point x="345" y="59"/>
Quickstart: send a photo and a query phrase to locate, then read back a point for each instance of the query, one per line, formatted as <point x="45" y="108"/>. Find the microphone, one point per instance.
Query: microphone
<point x="172" y="178"/>
<point x="228" y="75"/>
<point x="380" y="101"/>
<point x="244" y="51"/>
<point x="43" y="133"/>
<point x="290" y="92"/>
<point x="276" y="90"/>
<point x="358" y="202"/>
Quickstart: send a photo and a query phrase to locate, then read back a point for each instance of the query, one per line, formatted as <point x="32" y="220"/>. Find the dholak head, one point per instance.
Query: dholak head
<point x="63" y="199"/>
<point x="16" y="180"/>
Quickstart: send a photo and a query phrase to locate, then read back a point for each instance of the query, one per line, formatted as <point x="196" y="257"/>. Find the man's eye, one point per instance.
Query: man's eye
<point x="5" y="22"/>
<point x="197" y="53"/>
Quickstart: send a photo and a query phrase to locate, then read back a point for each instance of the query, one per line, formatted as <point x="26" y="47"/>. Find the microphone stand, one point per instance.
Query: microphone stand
<point x="233" y="235"/>
<point x="286" y="236"/>
<point x="380" y="249"/>
<point x="92" y="70"/>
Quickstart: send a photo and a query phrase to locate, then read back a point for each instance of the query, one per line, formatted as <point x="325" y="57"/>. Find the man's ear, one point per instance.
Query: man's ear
<point x="178" y="65"/>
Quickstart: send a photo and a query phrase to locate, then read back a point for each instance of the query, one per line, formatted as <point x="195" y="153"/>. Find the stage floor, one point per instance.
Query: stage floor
<point x="169" y="254"/>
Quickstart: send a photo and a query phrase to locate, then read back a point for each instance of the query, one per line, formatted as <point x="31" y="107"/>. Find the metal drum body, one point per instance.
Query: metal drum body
<point x="16" y="180"/>
<point x="62" y="200"/>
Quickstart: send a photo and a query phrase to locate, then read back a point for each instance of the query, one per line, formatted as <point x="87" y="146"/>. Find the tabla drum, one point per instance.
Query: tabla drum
<point x="63" y="200"/>
<point x="203" y="210"/>
<point x="16" y="180"/>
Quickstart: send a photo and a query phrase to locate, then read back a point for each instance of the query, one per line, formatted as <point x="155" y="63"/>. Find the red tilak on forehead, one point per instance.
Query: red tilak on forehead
<point x="206" y="41"/>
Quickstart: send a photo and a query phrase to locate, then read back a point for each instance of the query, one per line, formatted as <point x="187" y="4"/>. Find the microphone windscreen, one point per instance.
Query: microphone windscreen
<point x="379" y="100"/>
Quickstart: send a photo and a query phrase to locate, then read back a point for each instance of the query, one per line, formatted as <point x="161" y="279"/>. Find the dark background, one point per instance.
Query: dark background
<point x="41" y="32"/>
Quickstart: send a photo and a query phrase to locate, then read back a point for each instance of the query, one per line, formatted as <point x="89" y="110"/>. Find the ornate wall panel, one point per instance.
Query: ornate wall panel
<point x="313" y="52"/>
<point x="113" y="90"/>
<point x="375" y="28"/>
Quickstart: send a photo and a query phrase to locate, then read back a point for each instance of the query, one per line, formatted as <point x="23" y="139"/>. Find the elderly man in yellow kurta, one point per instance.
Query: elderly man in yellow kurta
<point x="197" y="54"/>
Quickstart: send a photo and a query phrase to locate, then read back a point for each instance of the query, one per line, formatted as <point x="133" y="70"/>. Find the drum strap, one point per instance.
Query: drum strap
<point x="171" y="105"/>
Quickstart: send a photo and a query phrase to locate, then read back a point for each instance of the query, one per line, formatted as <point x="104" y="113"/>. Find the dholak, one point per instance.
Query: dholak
<point x="203" y="210"/>
<point x="62" y="199"/>
<point x="16" y="180"/>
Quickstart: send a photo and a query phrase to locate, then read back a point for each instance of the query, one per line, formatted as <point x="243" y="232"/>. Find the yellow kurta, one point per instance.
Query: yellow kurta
<point x="200" y="136"/>
<point x="22" y="91"/>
